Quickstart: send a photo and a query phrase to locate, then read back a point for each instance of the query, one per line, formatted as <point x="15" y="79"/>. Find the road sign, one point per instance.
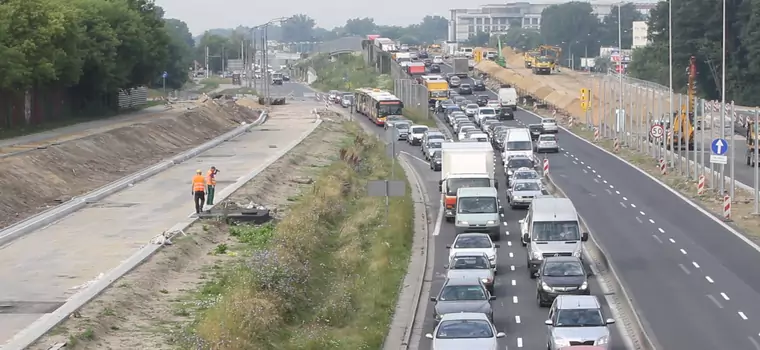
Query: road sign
<point x="584" y="94"/>
<point x="719" y="147"/>
<point x="716" y="159"/>
<point x="585" y="106"/>
<point x="656" y="131"/>
<point x="164" y="75"/>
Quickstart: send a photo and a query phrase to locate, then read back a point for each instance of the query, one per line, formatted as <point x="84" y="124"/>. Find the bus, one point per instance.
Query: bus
<point x="377" y="104"/>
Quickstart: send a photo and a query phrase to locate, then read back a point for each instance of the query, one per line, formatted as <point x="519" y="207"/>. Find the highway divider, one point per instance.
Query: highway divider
<point x="45" y="323"/>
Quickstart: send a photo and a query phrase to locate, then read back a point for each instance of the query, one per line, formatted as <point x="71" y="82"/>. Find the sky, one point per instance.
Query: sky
<point x="204" y="15"/>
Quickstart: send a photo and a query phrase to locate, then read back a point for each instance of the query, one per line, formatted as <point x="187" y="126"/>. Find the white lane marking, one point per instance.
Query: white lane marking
<point x="599" y="176"/>
<point x="511" y="255"/>
<point x="695" y="264"/>
<point x="509" y="243"/>
<point x="608" y="191"/>
<point x="617" y="192"/>
<point x="657" y="238"/>
<point x="514" y="299"/>
<point x="593" y="171"/>
<point x="661" y="230"/>
<point x="595" y="180"/>
<point x="652" y="221"/>
<point x="684" y="269"/>
<point x="505" y="224"/>
<point x="623" y="204"/>
<point x="574" y="162"/>
<point x="639" y="220"/>
<point x="633" y="205"/>
<point x="517" y="319"/>
<point x="437" y="229"/>
<point x="512" y="267"/>
<point x="514" y="283"/>
<point x="742" y="315"/>
<point x="584" y="170"/>
<point x="712" y="298"/>
<point x="642" y="213"/>
<point x="725" y="296"/>
<point x="583" y="163"/>
<point x="519" y="342"/>
<point x="709" y="279"/>
<point x="683" y="252"/>
<point x="605" y="181"/>
<point x="625" y="198"/>
<point x="612" y="186"/>
<point x="754" y="342"/>
<point x="672" y="240"/>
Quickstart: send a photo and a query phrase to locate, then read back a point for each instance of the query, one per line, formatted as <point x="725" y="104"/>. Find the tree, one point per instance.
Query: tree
<point x="433" y="28"/>
<point x="359" y="26"/>
<point x="479" y="39"/>
<point x="181" y="45"/>
<point x="520" y="38"/>
<point x="216" y="45"/>
<point x="609" y="26"/>
<point x="573" y="26"/>
<point x="298" y="28"/>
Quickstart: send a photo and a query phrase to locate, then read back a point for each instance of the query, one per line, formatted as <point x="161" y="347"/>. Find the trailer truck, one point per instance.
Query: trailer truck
<point x="461" y="67"/>
<point x="464" y="164"/>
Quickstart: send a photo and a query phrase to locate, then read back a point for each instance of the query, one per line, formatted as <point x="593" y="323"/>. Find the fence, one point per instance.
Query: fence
<point x="133" y="98"/>
<point x="414" y="95"/>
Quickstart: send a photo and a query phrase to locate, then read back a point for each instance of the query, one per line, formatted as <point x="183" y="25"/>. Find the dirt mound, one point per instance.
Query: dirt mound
<point x="36" y="180"/>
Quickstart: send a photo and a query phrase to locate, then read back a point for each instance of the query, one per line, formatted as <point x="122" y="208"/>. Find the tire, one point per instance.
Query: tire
<point x="449" y="219"/>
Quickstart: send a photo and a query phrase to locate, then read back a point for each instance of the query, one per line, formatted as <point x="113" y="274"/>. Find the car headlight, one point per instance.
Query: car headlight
<point x="486" y="280"/>
<point x="509" y="172"/>
<point x="545" y="286"/>
<point x="463" y="222"/>
<point x="561" y="342"/>
<point x="516" y="197"/>
<point x="492" y="258"/>
<point x="584" y="285"/>
<point x="577" y="254"/>
<point x="538" y="256"/>
<point x="490" y="222"/>
<point x="603" y="340"/>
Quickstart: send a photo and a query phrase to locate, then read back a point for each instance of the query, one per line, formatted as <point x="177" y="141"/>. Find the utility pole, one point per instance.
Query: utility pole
<point x="207" y="62"/>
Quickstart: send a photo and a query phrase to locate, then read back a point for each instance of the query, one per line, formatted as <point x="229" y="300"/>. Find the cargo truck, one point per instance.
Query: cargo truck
<point x="461" y="67"/>
<point x="464" y="164"/>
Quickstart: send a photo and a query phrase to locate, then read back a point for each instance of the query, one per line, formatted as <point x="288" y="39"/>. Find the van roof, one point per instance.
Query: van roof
<point x="477" y="192"/>
<point x="553" y="209"/>
<point x="520" y="134"/>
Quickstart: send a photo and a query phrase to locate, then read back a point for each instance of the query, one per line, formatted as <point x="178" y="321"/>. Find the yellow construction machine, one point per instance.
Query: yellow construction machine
<point x="529" y="57"/>
<point x="553" y="52"/>
<point x="752" y="132"/>
<point x="543" y="65"/>
<point x="683" y="121"/>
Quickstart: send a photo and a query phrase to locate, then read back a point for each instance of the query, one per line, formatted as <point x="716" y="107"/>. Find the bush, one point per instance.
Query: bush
<point x="347" y="72"/>
<point x="327" y="275"/>
<point x="418" y="118"/>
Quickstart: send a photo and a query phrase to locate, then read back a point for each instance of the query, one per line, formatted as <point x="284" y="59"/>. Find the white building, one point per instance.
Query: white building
<point x="495" y="18"/>
<point x="640" y="30"/>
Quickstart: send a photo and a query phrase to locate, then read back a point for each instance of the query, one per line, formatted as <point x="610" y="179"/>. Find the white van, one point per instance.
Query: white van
<point x="517" y="142"/>
<point x="508" y="98"/>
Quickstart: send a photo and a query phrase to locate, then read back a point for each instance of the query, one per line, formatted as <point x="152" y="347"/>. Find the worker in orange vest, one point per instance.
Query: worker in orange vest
<point x="199" y="188"/>
<point x="211" y="185"/>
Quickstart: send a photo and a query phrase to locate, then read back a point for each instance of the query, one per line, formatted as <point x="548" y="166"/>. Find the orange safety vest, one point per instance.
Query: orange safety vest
<point x="199" y="183"/>
<point x="211" y="178"/>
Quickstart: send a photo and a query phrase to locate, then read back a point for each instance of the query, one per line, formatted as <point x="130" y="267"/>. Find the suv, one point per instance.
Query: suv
<point x="577" y="320"/>
<point x="465" y="89"/>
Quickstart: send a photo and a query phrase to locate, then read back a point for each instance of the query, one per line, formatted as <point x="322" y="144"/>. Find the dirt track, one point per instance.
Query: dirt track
<point x="36" y="180"/>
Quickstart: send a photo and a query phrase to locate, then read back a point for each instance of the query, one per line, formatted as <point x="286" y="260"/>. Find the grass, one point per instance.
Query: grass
<point x="346" y="73"/>
<point x="418" y="118"/>
<point x="212" y="83"/>
<point x="326" y="276"/>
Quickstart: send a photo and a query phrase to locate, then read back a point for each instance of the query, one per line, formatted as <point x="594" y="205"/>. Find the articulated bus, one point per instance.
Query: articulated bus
<point x="377" y="104"/>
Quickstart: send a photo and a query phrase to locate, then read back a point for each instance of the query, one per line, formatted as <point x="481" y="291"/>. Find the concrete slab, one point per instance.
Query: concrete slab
<point x="53" y="263"/>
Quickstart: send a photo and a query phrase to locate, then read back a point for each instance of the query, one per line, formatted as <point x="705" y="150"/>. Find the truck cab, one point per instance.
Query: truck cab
<point x="277" y="79"/>
<point x="478" y="210"/>
<point x="464" y="165"/>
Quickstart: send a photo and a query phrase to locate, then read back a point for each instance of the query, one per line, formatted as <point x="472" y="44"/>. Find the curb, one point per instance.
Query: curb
<point x="47" y="217"/>
<point x="44" y="324"/>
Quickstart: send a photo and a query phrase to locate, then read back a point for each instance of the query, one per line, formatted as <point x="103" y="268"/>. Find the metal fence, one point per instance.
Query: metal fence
<point x="414" y="96"/>
<point x="133" y="98"/>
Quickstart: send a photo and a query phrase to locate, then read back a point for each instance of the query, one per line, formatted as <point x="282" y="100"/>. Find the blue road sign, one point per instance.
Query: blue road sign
<point x="164" y="75"/>
<point x="719" y="147"/>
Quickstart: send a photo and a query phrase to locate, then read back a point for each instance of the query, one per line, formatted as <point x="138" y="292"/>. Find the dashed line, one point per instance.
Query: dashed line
<point x="657" y="238"/>
<point x="633" y="205"/>
<point x="509" y="243"/>
<point x="608" y="191"/>
<point x="583" y="163"/>
<point x="519" y="342"/>
<point x="684" y="269"/>
<point x="683" y="252"/>
<point x="642" y="213"/>
<point x="611" y="186"/>
<point x="512" y="267"/>
<point x="605" y="181"/>
<point x="639" y="220"/>
<point x="725" y="296"/>
<point x="574" y="162"/>
<point x="599" y="176"/>
<point x="661" y="230"/>
<point x="651" y="221"/>
<point x="617" y="192"/>
<point x="517" y="319"/>
<point x="697" y="266"/>
<point x="514" y="283"/>
<point x="742" y="315"/>
<point x="715" y="301"/>
<point x="672" y="240"/>
<point x="625" y="198"/>
<point x="584" y="170"/>
<point x="514" y="299"/>
<point x="595" y="180"/>
<point x="511" y="255"/>
<point x="623" y="204"/>
<point x="709" y="279"/>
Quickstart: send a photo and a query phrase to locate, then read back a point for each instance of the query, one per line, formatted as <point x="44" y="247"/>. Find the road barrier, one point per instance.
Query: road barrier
<point x="727" y="207"/>
<point x="546" y="167"/>
<point x="701" y="185"/>
<point x="663" y="166"/>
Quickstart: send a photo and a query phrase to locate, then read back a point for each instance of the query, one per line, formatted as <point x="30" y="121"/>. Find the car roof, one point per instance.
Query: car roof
<point x="553" y="209"/>
<point x="570" y="302"/>
<point x="465" y="254"/>
<point x="464" y="316"/>
<point x="470" y="234"/>
<point x="463" y="281"/>
<point x="420" y="126"/>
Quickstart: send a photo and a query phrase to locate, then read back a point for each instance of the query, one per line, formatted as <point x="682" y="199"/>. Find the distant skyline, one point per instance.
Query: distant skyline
<point x="201" y="16"/>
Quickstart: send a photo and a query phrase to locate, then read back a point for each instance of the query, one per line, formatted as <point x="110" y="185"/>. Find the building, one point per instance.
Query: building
<point x="495" y="18"/>
<point x="640" y="30"/>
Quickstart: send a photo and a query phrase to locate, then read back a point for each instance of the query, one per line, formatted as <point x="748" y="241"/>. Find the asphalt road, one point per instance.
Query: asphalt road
<point x="695" y="283"/>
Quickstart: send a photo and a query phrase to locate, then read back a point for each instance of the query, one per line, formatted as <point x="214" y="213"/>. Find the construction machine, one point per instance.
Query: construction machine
<point x="683" y="121"/>
<point x="500" y="55"/>
<point x="542" y="65"/>
<point x="529" y="57"/>
<point x="752" y="132"/>
<point x="553" y="52"/>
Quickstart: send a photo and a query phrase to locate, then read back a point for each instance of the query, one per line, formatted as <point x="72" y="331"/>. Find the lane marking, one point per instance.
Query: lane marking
<point x="724" y="296"/>
<point x="519" y="342"/>
<point x="684" y="269"/>
<point x="617" y="192"/>
<point x="642" y="213"/>
<point x="625" y="199"/>
<point x="715" y="301"/>
<point x="612" y="186"/>
<point x="509" y="243"/>
<point x="657" y="238"/>
<point x="512" y="267"/>
<point x="415" y="157"/>
<point x="574" y="162"/>
<point x="605" y="181"/>
<point x="599" y="176"/>
<point x="639" y="220"/>
<point x="593" y="171"/>
<point x="709" y="279"/>
<point x="652" y="221"/>
<point x="633" y="205"/>
<point x="511" y="255"/>
<point x="514" y="283"/>
<point x="695" y="264"/>
<point x="583" y="163"/>
<point x="584" y="171"/>
<point x="742" y="315"/>
<point x="754" y="342"/>
<point x="672" y="240"/>
<point x="437" y="229"/>
<point x="514" y="299"/>
<point x="517" y="319"/>
<point x="683" y="252"/>
<point x="595" y="180"/>
<point x="608" y="191"/>
<point x="661" y="230"/>
<point x="623" y="204"/>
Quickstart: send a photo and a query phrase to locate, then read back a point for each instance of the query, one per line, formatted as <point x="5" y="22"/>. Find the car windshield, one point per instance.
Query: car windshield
<point x="466" y="86"/>
<point x="526" y="175"/>
<point x="402" y="126"/>
<point x="464" y="329"/>
<point x="547" y="138"/>
<point x="472" y="106"/>
<point x="437" y="155"/>
<point x="519" y="145"/>
<point x="436" y="137"/>
<point x="466" y="127"/>
<point x="556" y="231"/>
<point x="463" y="292"/>
<point x="476" y="205"/>
<point x="549" y="121"/>
<point x="469" y="263"/>
<point x="472" y="242"/>
<point x="419" y="130"/>
<point x="390" y="109"/>
<point x="563" y="269"/>
<point x="519" y="163"/>
<point x="435" y="145"/>
<point x="527" y="186"/>
<point x="579" y="318"/>
<point x="487" y="111"/>
<point x="452" y="185"/>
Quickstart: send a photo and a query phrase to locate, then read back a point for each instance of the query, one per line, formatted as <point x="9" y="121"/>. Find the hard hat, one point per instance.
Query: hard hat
<point x="198" y="171"/>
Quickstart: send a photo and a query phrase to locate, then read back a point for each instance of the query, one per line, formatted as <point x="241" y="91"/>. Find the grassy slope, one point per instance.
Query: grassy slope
<point x="325" y="277"/>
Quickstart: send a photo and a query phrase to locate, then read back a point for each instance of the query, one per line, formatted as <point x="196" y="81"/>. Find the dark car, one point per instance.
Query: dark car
<point x="285" y="77"/>
<point x="435" y="161"/>
<point x="535" y="131"/>
<point x="462" y="295"/>
<point x="561" y="275"/>
<point x="478" y="85"/>
<point x="506" y="114"/>
<point x="482" y="100"/>
<point x="465" y="89"/>
<point x="423" y="54"/>
<point x="435" y="68"/>
<point x="518" y="162"/>
<point x="428" y="62"/>
<point x="498" y="139"/>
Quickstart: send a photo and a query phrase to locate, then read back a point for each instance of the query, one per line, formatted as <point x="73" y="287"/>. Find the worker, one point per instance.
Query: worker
<point x="199" y="188"/>
<point x="211" y="185"/>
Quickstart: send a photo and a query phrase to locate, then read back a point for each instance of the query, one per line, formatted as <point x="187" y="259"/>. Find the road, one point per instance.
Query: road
<point x="694" y="282"/>
<point x="42" y="269"/>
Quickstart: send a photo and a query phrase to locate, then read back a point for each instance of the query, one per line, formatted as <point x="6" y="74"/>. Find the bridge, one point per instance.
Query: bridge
<point x="336" y="53"/>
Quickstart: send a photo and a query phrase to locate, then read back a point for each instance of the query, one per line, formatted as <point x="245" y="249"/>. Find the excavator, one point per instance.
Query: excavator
<point x="752" y="132"/>
<point x="530" y="57"/>
<point x="683" y="121"/>
<point x="553" y="52"/>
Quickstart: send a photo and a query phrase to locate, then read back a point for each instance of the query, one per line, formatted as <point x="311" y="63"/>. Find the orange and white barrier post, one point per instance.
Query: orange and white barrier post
<point x="546" y="167"/>
<point x="726" y="207"/>
<point x="701" y="185"/>
<point x="596" y="134"/>
<point x="663" y="166"/>
<point x="554" y="113"/>
<point x="617" y="145"/>
<point x="571" y="122"/>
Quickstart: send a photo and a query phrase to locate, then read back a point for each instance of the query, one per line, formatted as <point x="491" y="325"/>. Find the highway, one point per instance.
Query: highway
<point x="694" y="282"/>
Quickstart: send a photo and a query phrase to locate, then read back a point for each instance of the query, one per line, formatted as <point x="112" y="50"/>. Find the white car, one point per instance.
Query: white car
<point x="547" y="143"/>
<point x="485" y="112"/>
<point x="464" y="330"/>
<point x="549" y="125"/>
<point x="438" y="60"/>
<point x="478" y="136"/>
<point x="471" y="109"/>
<point x="474" y="243"/>
<point x="463" y="131"/>
<point x="416" y="133"/>
<point x="524" y="174"/>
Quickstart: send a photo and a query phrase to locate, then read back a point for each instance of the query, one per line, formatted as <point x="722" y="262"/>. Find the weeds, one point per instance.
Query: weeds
<point x="326" y="276"/>
<point x="418" y="118"/>
<point x="347" y="72"/>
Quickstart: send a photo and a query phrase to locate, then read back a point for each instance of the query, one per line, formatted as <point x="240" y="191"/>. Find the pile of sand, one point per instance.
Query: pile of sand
<point x="36" y="180"/>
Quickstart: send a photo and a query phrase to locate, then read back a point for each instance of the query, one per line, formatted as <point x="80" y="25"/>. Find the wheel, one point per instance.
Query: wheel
<point x="449" y="219"/>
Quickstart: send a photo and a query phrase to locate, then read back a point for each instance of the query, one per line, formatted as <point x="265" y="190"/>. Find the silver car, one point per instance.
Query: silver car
<point x="462" y="295"/>
<point x="466" y="330"/>
<point x="432" y="147"/>
<point x="524" y="174"/>
<point x="577" y="320"/>
<point x="471" y="109"/>
<point x="392" y="119"/>
<point x="547" y="143"/>
<point x="402" y="129"/>
<point x="522" y="192"/>
<point x="549" y="125"/>
<point x="471" y="265"/>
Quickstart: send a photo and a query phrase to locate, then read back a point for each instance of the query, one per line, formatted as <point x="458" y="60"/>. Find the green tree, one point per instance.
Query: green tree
<point x="216" y="45"/>
<point x="479" y="39"/>
<point x="520" y="38"/>
<point x="298" y="28"/>
<point x="359" y="26"/>
<point x="609" y="26"/>
<point x="432" y="29"/>
<point x="573" y="26"/>
<point x="181" y="45"/>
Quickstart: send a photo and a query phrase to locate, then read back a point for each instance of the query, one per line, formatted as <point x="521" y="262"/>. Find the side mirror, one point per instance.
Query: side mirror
<point x="521" y="221"/>
<point x="610" y="321"/>
<point x="500" y="335"/>
<point x="493" y="297"/>
<point x="497" y="246"/>
<point x="548" y="322"/>
<point x="429" y="336"/>
<point x="432" y="299"/>
<point x="448" y="246"/>
<point x="584" y="236"/>
<point x="526" y="238"/>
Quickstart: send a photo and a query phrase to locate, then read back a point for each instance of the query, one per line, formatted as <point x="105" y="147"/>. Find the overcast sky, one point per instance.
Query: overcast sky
<point x="203" y="15"/>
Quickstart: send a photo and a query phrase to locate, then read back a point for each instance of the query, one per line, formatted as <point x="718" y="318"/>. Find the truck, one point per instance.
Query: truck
<point x="415" y="68"/>
<point x="461" y="67"/>
<point x="276" y="78"/>
<point x="438" y="90"/>
<point x="464" y="164"/>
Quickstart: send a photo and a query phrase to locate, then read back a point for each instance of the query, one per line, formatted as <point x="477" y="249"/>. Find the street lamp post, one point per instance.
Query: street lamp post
<point x="670" y="72"/>
<point x="620" y="70"/>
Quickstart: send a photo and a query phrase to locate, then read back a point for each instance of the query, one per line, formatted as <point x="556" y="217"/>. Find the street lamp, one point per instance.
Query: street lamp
<point x="620" y="69"/>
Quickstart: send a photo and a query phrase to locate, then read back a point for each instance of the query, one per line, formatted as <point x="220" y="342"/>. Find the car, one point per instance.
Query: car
<point x="427" y="62"/>
<point x="438" y="60"/>
<point x="481" y="100"/>
<point x="462" y="133"/>
<point x="522" y="192"/>
<point x="402" y="128"/>
<point x="464" y="331"/>
<point x="416" y="133"/>
<point x="471" y="109"/>
<point x="435" y="161"/>
<point x="485" y="123"/>
<point x="347" y="100"/>
<point x="505" y="114"/>
<point x="451" y="109"/>
<point x="560" y="275"/>
<point x="332" y="95"/>
<point x="477" y="136"/>
<point x="469" y="265"/>
<point x="535" y="131"/>
<point x="577" y="320"/>
<point x="485" y="112"/>
<point x="285" y="77"/>
<point x="517" y="162"/>
<point x="474" y="243"/>
<point x="454" y="81"/>
<point x="459" y="120"/>
<point x="462" y="295"/>
<point x="478" y="85"/>
<point x="524" y="174"/>
<point x="465" y="89"/>
<point x="549" y="125"/>
<point x="431" y="135"/>
<point x="392" y="119"/>
<point x="493" y="127"/>
<point x="423" y="54"/>
<point x="435" y="68"/>
<point x="498" y="139"/>
<point x="450" y="117"/>
<point x="432" y="147"/>
<point x="547" y="143"/>
<point x="460" y="101"/>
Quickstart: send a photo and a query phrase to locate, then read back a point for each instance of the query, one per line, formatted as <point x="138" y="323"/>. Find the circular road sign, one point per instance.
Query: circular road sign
<point x="656" y="131"/>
